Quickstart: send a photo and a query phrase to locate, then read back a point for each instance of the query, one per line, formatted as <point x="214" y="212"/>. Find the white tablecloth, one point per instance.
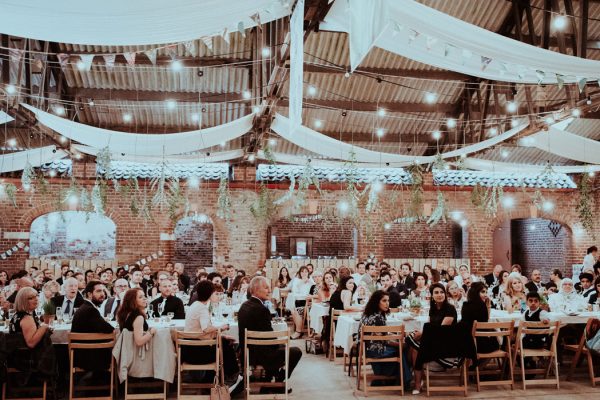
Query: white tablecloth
<point x="317" y="312"/>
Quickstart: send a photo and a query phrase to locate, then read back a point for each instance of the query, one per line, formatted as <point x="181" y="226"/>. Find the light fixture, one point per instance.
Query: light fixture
<point x="272" y="142"/>
<point x="493" y="131"/>
<point x="547" y="206"/>
<point x="59" y="110"/>
<point x="193" y="182"/>
<point x="52" y="173"/>
<point x="588" y="101"/>
<point x="463" y="223"/>
<point x="312" y="90"/>
<point x="11" y="89"/>
<point x="508" y="201"/>
<point x="251" y="158"/>
<point x="387" y="226"/>
<point x="591" y="174"/>
<point x="456" y="215"/>
<point x="73" y="200"/>
<point x="78" y="156"/>
<point x="576" y="112"/>
<point x="430" y="97"/>
<point x="256" y="109"/>
<point x="80" y="65"/>
<point x="514" y="123"/>
<point x="377" y="186"/>
<point x="246" y="95"/>
<point x="91" y="103"/>
<point x="195" y="117"/>
<point x="176" y="65"/>
<point x="266" y="52"/>
<point x="62" y="139"/>
<point x="343" y="206"/>
<point x="504" y="153"/>
<point x="380" y="132"/>
<point x="381" y="112"/>
<point x="171" y="104"/>
<point x="12" y="142"/>
<point x="511" y="107"/>
<point x="437" y="135"/>
<point x="347" y="74"/>
<point x="451" y="123"/>
<point x="318" y="123"/>
<point x="532" y="227"/>
<point x="559" y="22"/>
<point x="127" y="118"/>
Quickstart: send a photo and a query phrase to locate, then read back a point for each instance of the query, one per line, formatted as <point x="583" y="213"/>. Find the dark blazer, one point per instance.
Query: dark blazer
<point x="227" y="282"/>
<point x="185" y="281"/>
<point x="58" y="300"/>
<point x="409" y="283"/>
<point x="395" y="299"/>
<point x="530" y="286"/>
<point x="489" y="279"/>
<point x="173" y="304"/>
<point x="253" y="316"/>
<point x="87" y="319"/>
<point x="108" y="307"/>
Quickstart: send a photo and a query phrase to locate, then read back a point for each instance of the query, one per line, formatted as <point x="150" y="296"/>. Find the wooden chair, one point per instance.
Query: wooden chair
<point x="538" y="328"/>
<point x="306" y="317"/>
<point x="196" y="340"/>
<point x="271" y="338"/>
<point x="495" y="330"/>
<point x="10" y="371"/>
<point x="283" y="294"/>
<point x="335" y="315"/>
<point x="80" y="342"/>
<point x="579" y="350"/>
<point x="461" y="375"/>
<point x="382" y="334"/>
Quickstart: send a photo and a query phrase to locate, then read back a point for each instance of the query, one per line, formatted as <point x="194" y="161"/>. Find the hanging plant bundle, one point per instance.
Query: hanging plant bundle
<point x="28" y="177"/>
<point x="224" y="200"/>
<point x="440" y="211"/>
<point x="585" y="205"/>
<point x="263" y="208"/>
<point x="415" y="208"/>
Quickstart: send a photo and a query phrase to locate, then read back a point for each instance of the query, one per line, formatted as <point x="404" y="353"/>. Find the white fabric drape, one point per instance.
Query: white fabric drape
<point x="181" y="159"/>
<point x="294" y="159"/>
<point x="421" y="33"/>
<point x="132" y="22"/>
<point x="144" y="144"/>
<point x="296" y="64"/>
<point x="332" y="148"/>
<point x="17" y="161"/>
<point x="499" y="166"/>
<point x="4" y="118"/>
<point x="565" y="144"/>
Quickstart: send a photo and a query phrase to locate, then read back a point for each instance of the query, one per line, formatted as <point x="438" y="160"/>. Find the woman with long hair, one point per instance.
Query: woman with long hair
<point x="421" y="284"/>
<point x="593" y="299"/>
<point x="3" y="278"/>
<point x="375" y="314"/>
<point x="451" y="273"/>
<point x="132" y="316"/>
<point x="514" y="294"/>
<point x="361" y="294"/>
<point x="456" y="295"/>
<point x="284" y="279"/>
<point x="498" y="291"/>
<point x="341" y="299"/>
<point x="441" y="313"/>
<point x="300" y="291"/>
<point x="477" y="308"/>
<point x="327" y="288"/>
<point x="24" y="320"/>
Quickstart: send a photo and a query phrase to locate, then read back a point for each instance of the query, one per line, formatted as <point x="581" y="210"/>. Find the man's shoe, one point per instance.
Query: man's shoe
<point x="297" y="335"/>
<point x="236" y="385"/>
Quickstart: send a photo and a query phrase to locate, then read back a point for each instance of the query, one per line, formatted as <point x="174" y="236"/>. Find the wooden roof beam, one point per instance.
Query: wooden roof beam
<point x="149" y="95"/>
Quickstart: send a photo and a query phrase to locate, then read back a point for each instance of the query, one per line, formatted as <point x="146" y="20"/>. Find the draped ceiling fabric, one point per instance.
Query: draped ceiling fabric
<point x="132" y="22"/>
<point x="489" y="165"/>
<point x="181" y="159"/>
<point x="565" y="144"/>
<point x="326" y="146"/>
<point x="17" y="161"/>
<point x="4" y="118"/>
<point x="296" y="64"/>
<point x="144" y="144"/>
<point x="421" y="33"/>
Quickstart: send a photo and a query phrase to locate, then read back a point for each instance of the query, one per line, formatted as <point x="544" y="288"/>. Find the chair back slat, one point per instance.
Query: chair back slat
<point x="267" y="334"/>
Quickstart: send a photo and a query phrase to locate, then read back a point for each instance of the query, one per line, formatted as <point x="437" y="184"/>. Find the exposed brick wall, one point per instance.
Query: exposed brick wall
<point x="193" y="244"/>
<point x="534" y="246"/>
<point x="419" y="240"/>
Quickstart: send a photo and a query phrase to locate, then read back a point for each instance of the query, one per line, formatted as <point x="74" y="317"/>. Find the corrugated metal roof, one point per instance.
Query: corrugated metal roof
<point x="506" y="179"/>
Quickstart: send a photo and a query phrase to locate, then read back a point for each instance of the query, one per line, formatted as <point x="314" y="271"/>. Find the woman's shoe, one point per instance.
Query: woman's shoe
<point x="297" y="335"/>
<point x="416" y="392"/>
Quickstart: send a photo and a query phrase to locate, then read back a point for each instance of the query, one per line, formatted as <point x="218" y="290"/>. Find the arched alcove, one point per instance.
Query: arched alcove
<point x="194" y="242"/>
<point x="533" y="243"/>
<point x="420" y="240"/>
<point x="73" y="235"/>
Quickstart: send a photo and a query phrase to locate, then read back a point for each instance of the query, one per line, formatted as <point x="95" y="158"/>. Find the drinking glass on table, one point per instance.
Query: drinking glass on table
<point x="59" y="314"/>
<point x="170" y="316"/>
<point x="161" y="308"/>
<point x="67" y="318"/>
<point x="109" y="317"/>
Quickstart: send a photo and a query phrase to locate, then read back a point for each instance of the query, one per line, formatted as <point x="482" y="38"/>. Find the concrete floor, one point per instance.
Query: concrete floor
<point x="316" y="378"/>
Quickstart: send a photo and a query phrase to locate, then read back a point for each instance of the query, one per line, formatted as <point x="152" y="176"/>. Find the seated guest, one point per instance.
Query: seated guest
<point x="566" y="300"/>
<point x="406" y="277"/>
<point x="450" y="273"/>
<point x="359" y="271"/>
<point x="493" y="278"/>
<point x="254" y="316"/>
<point x="344" y="271"/>
<point x="556" y="276"/>
<point x="237" y="284"/>
<point x="147" y="280"/>
<point x="586" y="286"/>
<point x="375" y="314"/>
<point x="534" y="314"/>
<point x="88" y="319"/>
<point x="421" y="287"/>
<point x="497" y="291"/>
<point x="326" y="289"/>
<point x="341" y="299"/>
<point x="81" y="279"/>
<point x="89" y="275"/>
<point x="135" y="278"/>
<point x="49" y="290"/>
<point x="300" y="291"/>
<point x="49" y="275"/>
<point x="361" y="295"/>
<point x="370" y="278"/>
<point x="593" y="299"/>
<point x="456" y="295"/>
<point x="21" y="282"/>
<point x="463" y="271"/>
<point x="24" y="320"/>
<point x="395" y="299"/>
<point x="111" y="305"/>
<point x="427" y="272"/>
<point x="71" y="300"/>
<point x="229" y="278"/>
<point x="535" y="284"/>
<point x="38" y="280"/>
<point x="198" y="320"/>
<point x="215" y="278"/>
<point x="132" y="316"/>
<point x="170" y="303"/>
<point x="284" y="279"/>
<point x="477" y="308"/>
<point x="514" y="295"/>
<point x="441" y="313"/>
<point x="516" y="268"/>
<point x="317" y="278"/>
<point x="184" y="280"/>
<point x="159" y="277"/>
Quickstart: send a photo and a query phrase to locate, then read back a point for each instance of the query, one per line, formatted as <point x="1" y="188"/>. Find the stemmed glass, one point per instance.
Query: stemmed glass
<point x="59" y="314"/>
<point x="170" y="316"/>
<point x="161" y="308"/>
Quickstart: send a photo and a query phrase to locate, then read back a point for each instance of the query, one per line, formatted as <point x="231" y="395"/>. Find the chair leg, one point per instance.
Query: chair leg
<point x="465" y="376"/>
<point x="426" y="379"/>
<point x="590" y="362"/>
<point x="477" y="376"/>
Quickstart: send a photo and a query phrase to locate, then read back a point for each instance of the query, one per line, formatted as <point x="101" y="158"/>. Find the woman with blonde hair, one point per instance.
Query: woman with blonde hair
<point x="49" y="290"/>
<point x="514" y="294"/>
<point x="24" y="321"/>
<point x="456" y="295"/>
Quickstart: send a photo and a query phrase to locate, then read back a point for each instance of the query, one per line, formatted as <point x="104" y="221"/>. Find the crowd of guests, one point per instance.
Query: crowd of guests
<point x="98" y="301"/>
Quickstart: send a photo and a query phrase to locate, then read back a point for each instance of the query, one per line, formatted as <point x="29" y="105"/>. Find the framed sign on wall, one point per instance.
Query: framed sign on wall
<point x="301" y="246"/>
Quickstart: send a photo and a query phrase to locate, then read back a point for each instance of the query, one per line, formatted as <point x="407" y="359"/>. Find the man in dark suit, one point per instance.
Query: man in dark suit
<point x="71" y="300"/>
<point x="63" y="274"/>
<point x="492" y="278"/>
<point x="255" y="316"/>
<point x="386" y="285"/>
<point x="406" y="278"/>
<point x="87" y="319"/>
<point x="112" y="304"/>
<point x="230" y="274"/>
<point x="170" y="303"/>
<point x="183" y="278"/>
<point x="535" y="284"/>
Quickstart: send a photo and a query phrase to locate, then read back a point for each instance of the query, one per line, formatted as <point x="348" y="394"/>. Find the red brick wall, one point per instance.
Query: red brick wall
<point x="419" y="240"/>
<point x="534" y="246"/>
<point x="193" y="244"/>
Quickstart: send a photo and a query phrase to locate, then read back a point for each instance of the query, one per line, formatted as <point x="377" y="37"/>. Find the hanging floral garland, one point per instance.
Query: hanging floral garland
<point x="223" y="199"/>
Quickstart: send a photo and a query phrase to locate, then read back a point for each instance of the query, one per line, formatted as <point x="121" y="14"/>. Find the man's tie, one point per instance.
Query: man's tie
<point x="67" y="309"/>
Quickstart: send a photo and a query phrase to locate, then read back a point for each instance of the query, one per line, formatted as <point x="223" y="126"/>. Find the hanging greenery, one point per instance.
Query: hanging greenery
<point x="439" y="163"/>
<point x="440" y="211"/>
<point x="263" y="208"/>
<point x="493" y="197"/>
<point x="307" y="178"/>
<point x="547" y="177"/>
<point x="585" y="205"/>
<point x="103" y="162"/>
<point x="478" y="196"/>
<point x="146" y="207"/>
<point x="158" y="185"/>
<point x="176" y="199"/>
<point x="11" y="193"/>
<point x="28" y="177"/>
<point x="99" y="197"/>
<point x="269" y="156"/>
<point x="415" y="208"/>
<point x="537" y="199"/>
<point x="224" y="200"/>
<point x="290" y="192"/>
<point x="41" y="183"/>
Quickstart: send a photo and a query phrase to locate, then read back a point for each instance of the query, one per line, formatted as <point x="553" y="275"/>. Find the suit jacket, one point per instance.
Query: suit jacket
<point x="227" y="282"/>
<point x="530" y="286"/>
<point x="254" y="316"/>
<point x="395" y="299"/>
<point x="87" y="319"/>
<point x="58" y="300"/>
<point x="489" y="279"/>
<point x="185" y="282"/>
<point x="108" y="306"/>
<point x="173" y="304"/>
<point x="409" y="283"/>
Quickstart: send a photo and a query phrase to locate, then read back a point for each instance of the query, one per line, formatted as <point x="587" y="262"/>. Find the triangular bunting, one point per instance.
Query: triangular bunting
<point x="241" y="29"/>
<point x="397" y="28"/>
<point x="561" y="80"/>
<point x="581" y="84"/>
<point x="256" y="18"/>
<point x="130" y="57"/>
<point x="63" y="59"/>
<point x="225" y="35"/>
<point x="190" y="47"/>
<point x="485" y="61"/>
<point x="87" y="59"/>
<point x="431" y="41"/>
<point x="172" y="51"/>
<point x="208" y="41"/>
<point x="540" y="75"/>
<point x="151" y="54"/>
<point x="109" y="60"/>
<point x="412" y="36"/>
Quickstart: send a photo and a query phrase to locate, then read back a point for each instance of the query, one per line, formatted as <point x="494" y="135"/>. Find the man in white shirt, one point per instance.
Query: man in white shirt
<point x="586" y="281"/>
<point x="71" y="299"/>
<point x="359" y="272"/>
<point x="590" y="259"/>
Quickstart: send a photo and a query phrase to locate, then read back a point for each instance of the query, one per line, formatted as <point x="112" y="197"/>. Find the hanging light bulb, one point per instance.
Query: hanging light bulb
<point x="80" y="65"/>
<point x="251" y="158"/>
<point x="11" y="89"/>
<point x="171" y="104"/>
<point x="576" y="112"/>
<point x="514" y="122"/>
<point x="508" y="201"/>
<point x="12" y="142"/>
<point x="559" y="22"/>
<point x="318" y="123"/>
<point x="437" y="135"/>
<point x="52" y="173"/>
<point x="343" y="206"/>
<point x="549" y="120"/>
<point x="266" y="52"/>
<point x="312" y="90"/>
<point x="380" y="132"/>
<point x="387" y="226"/>
<point x="463" y="223"/>
<point x="62" y="139"/>
<point x="195" y="117"/>
<point x="272" y="142"/>
<point x="532" y="227"/>
<point x="504" y="153"/>
<point x="493" y="131"/>
<point x="511" y="107"/>
<point x="59" y="110"/>
<point x="176" y="65"/>
<point x="548" y="206"/>
<point x="381" y="112"/>
<point x="246" y="94"/>
<point x="73" y="200"/>
<point x="451" y="123"/>
<point x="256" y="109"/>
<point x="193" y="182"/>
<point x="430" y="97"/>
<point x="377" y="186"/>
<point x="127" y="118"/>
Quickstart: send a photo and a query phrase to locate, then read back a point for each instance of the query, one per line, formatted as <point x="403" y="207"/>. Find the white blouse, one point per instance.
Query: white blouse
<point x="197" y="318"/>
<point x="301" y="288"/>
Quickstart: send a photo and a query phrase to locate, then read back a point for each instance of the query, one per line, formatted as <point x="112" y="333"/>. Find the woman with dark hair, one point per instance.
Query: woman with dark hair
<point x="421" y="284"/>
<point x="477" y="308"/>
<point x="450" y="273"/>
<point x="327" y="288"/>
<point x="498" y="291"/>
<point x="284" y="278"/>
<point x="441" y="313"/>
<point x="3" y="278"/>
<point x="197" y="319"/>
<point x="593" y="299"/>
<point x="341" y="299"/>
<point x="300" y="290"/>
<point x="427" y="271"/>
<point x="375" y="314"/>
<point x="132" y="316"/>
<point x="89" y="276"/>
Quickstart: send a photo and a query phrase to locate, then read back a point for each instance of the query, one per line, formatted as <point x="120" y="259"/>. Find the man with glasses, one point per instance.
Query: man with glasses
<point x="111" y="305"/>
<point x="71" y="300"/>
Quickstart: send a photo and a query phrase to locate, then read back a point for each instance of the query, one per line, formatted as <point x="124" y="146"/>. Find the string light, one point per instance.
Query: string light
<point x="312" y="90"/>
<point x="80" y="65"/>
<point x="246" y="94"/>
<point x="514" y="123"/>
<point x="59" y="110"/>
<point x="559" y="22"/>
<point x="176" y="65"/>
<point x="380" y="132"/>
<point x="195" y="117"/>
<point x="576" y="112"/>
<point x="437" y="135"/>
<point x="511" y="107"/>
<point x="548" y="206"/>
<point x="343" y="206"/>
<point x="266" y="52"/>
<point x="251" y="158"/>
<point x="493" y="131"/>
<point x="171" y="104"/>
<point x="508" y="202"/>
<point x="451" y="123"/>
<point x="387" y="226"/>
<point x="62" y="139"/>
<point x="73" y="200"/>
<point x="430" y="97"/>
<point x="504" y="153"/>
<point x="377" y="186"/>
<point x="193" y="182"/>
<point x="256" y="109"/>
<point x="127" y="118"/>
<point x="318" y="123"/>
<point x="463" y="223"/>
<point x="272" y="142"/>
<point x="52" y="173"/>
<point x="12" y="142"/>
<point x="381" y="112"/>
<point x="11" y="89"/>
<point x="549" y="120"/>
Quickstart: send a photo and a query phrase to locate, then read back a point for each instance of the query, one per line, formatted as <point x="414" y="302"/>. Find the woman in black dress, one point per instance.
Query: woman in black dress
<point x="132" y="316"/>
<point x="24" y="320"/>
<point x="477" y="308"/>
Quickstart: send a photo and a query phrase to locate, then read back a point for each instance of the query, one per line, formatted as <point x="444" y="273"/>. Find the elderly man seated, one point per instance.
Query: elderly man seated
<point x="566" y="300"/>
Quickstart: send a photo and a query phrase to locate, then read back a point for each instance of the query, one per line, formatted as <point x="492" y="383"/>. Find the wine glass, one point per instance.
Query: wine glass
<point x="161" y="308"/>
<point x="59" y="314"/>
<point x="11" y="313"/>
<point x="170" y="316"/>
<point x="67" y="318"/>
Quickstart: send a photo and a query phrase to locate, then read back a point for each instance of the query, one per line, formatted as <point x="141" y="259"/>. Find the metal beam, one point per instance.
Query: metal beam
<point x="370" y="106"/>
<point x="149" y="95"/>
<point x="401" y="73"/>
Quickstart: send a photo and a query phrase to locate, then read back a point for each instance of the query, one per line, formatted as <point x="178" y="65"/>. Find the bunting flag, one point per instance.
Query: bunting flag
<point x="561" y="80"/>
<point x="109" y="60"/>
<point x="447" y="49"/>
<point x="431" y="41"/>
<point x="130" y="57"/>
<point x="581" y="83"/>
<point x="172" y="51"/>
<point x="397" y="28"/>
<point x="190" y="47"/>
<point x="207" y="40"/>
<point x="15" y="55"/>
<point x="540" y="75"/>
<point x="225" y="35"/>
<point x="151" y="54"/>
<point x="485" y="61"/>
<point x="412" y="36"/>
<point x="241" y="29"/>
<point x="87" y="60"/>
<point x="256" y="18"/>
<point x="63" y="59"/>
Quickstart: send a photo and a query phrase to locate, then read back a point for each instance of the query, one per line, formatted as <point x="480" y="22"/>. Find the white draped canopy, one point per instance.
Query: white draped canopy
<point x="181" y="159"/>
<point x="499" y="166"/>
<point x="17" y="161"/>
<point x="4" y="118"/>
<point x="144" y="144"/>
<point x="421" y="33"/>
<point x="133" y="22"/>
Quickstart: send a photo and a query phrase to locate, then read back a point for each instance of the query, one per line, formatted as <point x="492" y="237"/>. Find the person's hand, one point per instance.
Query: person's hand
<point x="546" y="321"/>
<point x="153" y="331"/>
<point x="211" y="329"/>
